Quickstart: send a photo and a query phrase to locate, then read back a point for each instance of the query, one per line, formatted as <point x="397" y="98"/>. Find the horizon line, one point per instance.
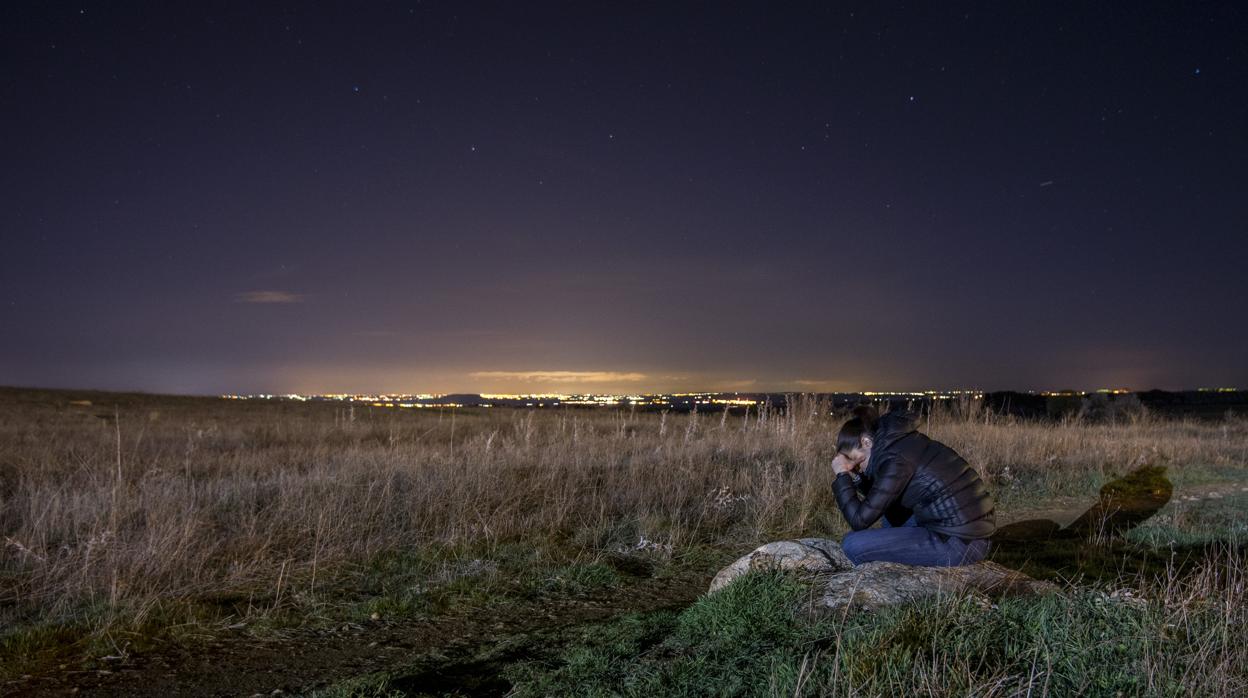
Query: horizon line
<point x="682" y="392"/>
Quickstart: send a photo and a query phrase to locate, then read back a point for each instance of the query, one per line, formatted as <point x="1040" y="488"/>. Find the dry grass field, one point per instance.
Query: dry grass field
<point x="135" y="515"/>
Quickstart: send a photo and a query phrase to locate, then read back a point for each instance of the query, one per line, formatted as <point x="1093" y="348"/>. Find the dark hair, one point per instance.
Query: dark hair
<point x="862" y="423"/>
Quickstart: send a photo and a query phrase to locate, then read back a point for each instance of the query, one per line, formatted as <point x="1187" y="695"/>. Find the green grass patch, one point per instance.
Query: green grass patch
<point x="751" y="639"/>
<point x="368" y="686"/>
<point x="572" y="580"/>
<point x="1191" y="475"/>
<point x="1187" y="522"/>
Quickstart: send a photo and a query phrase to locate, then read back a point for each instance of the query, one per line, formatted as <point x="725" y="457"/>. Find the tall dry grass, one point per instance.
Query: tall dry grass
<point x="165" y="499"/>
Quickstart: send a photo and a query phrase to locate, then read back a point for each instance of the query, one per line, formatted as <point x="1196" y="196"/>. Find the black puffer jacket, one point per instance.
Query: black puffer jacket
<point x="910" y="473"/>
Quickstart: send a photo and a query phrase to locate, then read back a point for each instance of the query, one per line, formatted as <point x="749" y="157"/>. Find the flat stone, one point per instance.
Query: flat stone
<point x="874" y="585"/>
<point x="843" y="586"/>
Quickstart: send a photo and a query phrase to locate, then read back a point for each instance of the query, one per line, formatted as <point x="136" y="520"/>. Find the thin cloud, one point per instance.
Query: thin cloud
<point x="268" y="297"/>
<point x="563" y="376"/>
<point x="825" y="385"/>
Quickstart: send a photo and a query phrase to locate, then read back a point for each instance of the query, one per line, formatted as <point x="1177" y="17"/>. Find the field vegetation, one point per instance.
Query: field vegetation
<point x="129" y="522"/>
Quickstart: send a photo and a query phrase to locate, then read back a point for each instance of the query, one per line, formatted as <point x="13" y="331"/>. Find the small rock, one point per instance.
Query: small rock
<point x="807" y="555"/>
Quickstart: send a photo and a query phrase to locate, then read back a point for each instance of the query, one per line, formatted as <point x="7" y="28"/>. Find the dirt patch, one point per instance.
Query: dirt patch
<point x="481" y="678"/>
<point x="1064" y="511"/>
<point x="431" y="655"/>
<point x="1092" y="546"/>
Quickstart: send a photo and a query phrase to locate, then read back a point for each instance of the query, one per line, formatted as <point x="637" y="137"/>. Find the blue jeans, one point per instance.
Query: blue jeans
<point x="911" y="544"/>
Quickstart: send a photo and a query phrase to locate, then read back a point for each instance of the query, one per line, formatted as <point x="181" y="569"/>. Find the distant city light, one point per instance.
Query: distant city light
<point x="680" y="401"/>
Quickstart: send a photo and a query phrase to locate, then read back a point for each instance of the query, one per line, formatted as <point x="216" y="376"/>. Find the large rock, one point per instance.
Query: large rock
<point x="871" y="585"/>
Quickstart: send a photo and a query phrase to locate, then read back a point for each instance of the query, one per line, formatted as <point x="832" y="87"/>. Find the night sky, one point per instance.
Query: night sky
<point x="206" y="198"/>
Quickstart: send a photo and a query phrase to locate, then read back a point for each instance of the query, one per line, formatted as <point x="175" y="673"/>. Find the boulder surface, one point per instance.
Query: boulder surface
<point x="871" y="585"/>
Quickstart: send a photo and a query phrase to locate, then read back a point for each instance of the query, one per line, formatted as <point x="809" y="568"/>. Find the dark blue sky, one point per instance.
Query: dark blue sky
<point x="499" y="197"/>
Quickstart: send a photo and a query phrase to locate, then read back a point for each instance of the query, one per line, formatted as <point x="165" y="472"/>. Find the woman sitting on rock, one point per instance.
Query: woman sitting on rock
<point x="933" y="507"/>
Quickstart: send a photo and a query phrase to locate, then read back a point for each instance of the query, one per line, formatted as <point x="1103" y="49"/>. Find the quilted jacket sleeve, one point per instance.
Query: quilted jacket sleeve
<point x="892" y="476"/>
